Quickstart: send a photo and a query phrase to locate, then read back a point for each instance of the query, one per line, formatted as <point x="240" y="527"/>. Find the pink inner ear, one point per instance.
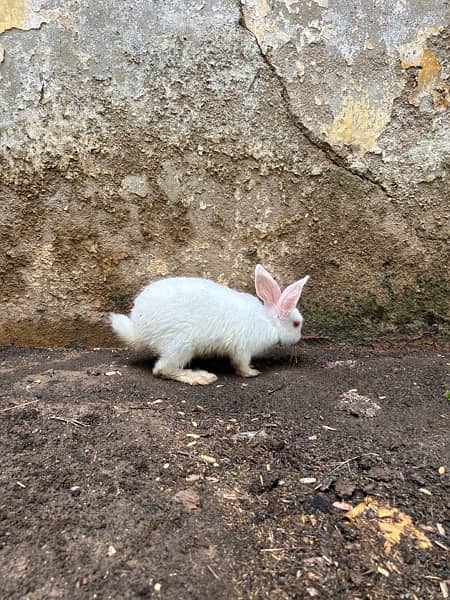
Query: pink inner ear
<point x="267" y="288"/>
<point x="289" y="298"/>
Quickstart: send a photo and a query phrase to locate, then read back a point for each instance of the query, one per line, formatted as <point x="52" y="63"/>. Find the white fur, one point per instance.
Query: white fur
<point x="180" y="318"/>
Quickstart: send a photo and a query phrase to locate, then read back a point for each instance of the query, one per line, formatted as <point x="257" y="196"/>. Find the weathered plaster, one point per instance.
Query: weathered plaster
<point x="429" y="80"/>
<point x="28" y="14"/>
<point x="346" y="56"/>
<point x="361" y="121"/>
<point x="140" y="139"/>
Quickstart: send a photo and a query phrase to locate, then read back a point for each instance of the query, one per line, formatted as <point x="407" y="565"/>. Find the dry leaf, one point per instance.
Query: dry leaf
<point x="391" y="522"/>
<point x="188" y="498"/>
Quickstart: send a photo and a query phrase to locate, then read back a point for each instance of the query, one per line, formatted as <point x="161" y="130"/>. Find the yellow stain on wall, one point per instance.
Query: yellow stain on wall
<point x="13" y="13"/>
<point x="360" y="122"/>
<point x="429" y="77"/>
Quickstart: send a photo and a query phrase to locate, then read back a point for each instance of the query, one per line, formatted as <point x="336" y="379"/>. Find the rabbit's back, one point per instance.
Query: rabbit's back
<point x="197" y="312"/>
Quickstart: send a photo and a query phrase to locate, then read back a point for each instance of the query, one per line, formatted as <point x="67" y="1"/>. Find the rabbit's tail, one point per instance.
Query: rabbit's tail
<point x="124" y="329"/>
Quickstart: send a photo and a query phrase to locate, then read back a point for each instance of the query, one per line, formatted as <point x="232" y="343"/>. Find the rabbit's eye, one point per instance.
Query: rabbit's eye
<point x="296" y="323"/>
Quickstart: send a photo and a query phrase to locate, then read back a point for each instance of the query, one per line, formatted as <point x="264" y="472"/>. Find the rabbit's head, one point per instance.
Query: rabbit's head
<point x="281" y="305"/>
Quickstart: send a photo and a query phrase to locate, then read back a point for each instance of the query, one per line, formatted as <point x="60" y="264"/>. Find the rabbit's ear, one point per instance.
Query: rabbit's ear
<point x="290" y="296"/>
<point x="267" y="289"/>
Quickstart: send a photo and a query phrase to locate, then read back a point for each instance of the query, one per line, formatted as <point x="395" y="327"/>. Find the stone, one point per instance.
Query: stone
<point x="344" y="488"/>
<point x="379" y="474"/>
<point x="317" y="503"/>
<point x="357" y="404"/>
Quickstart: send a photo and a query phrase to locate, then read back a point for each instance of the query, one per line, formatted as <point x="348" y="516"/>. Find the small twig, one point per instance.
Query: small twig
<point x="280" y="387"/>
<point x="352" y="459"/>
<point x="18" y="405"/>
<point x="213" y="572"/>
<point x="316" y="338"/>
<point x="68" y="421"/>
<point x="443" y="546"/>
<point x="345" y="462"/>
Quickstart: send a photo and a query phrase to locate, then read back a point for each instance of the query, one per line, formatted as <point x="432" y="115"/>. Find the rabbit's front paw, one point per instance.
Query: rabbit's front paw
<point x="248" y="372"/>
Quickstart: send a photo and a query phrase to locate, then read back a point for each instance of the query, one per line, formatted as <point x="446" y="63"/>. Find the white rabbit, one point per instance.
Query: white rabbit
<point x="180" y="318"/>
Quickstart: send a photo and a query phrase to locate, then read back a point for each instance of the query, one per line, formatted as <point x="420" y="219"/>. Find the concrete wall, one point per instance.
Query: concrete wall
<point x="144" y="138"/>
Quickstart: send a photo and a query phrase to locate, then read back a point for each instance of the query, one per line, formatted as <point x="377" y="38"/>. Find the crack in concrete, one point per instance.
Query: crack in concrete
<point x="313" y="139"/>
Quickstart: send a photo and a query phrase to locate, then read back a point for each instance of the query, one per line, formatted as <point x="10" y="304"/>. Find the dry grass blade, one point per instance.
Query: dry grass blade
<point x="67" y="420"/>
<point x="18" y="406"/>
<point x="346" y="462"/>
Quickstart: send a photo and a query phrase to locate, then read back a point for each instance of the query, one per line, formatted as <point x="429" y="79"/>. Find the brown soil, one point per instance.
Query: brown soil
<point x="117" y="485"/>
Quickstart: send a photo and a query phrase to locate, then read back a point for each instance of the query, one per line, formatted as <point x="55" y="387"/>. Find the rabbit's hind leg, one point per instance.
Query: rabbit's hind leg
<point x="171" y="367"/>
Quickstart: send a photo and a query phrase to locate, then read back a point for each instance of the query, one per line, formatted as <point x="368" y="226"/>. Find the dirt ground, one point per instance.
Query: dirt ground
<point x="322" y="478"/>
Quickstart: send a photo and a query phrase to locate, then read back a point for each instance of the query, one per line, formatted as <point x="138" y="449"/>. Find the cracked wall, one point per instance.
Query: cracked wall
<point x="140" y="139"/>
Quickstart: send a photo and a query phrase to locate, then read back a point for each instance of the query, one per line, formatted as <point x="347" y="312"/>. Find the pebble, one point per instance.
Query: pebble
<point x="317" y="504"/>
<point x="344" y="488"/>
<point x="365" y="462"/>
<point x="379" y="474"/>
<point x="326" y="484"/>
<point x="75" y="490"/>
<point x="188" y="498"/>
<point x="358" y="405"/>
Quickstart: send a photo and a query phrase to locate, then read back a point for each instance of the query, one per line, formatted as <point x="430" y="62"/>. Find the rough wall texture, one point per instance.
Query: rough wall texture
<point x="141" y="138"/>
